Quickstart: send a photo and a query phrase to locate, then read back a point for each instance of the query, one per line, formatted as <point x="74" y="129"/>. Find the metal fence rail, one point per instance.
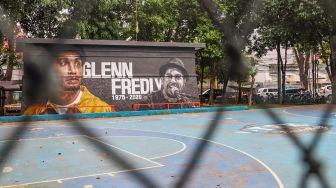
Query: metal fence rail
<point x="308" y="152"/>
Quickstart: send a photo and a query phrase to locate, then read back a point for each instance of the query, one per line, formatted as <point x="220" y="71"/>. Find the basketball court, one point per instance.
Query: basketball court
<point x="248" y="150"/>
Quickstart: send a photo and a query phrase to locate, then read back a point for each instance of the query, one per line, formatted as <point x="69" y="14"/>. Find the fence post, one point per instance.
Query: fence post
<point x="167" y="106"/>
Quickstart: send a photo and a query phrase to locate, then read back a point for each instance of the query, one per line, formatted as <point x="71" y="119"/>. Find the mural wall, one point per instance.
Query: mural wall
<point x="84" y="76"/>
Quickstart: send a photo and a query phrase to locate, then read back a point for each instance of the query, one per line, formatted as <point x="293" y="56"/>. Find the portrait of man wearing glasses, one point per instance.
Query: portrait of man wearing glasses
<point x="173" y="78"/>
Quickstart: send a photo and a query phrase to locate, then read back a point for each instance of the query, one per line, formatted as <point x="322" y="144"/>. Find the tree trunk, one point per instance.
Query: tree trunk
<point x="328" y="68"/>
<point x="302" y="60"/>
<point x="251" y="92"/>
<point x="313" y="73"/>
<point x="9" y="72"/>
<point x="239" y="99"/>
<point x="9" y="69"/>
<point x="279" y="73"/>
<point x="283" y="70"/>
<point x="325" y="58"/>
<point x="212" y="81"/>
<point x="202" y="78"/>
<point x="333" y="67"/>
<point x="225" y="73"/>
<point x="225" y="84"/>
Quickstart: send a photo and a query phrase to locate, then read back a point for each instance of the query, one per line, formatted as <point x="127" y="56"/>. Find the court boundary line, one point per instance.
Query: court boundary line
<point x="76" y="177"/>
<point x="184" y="146"/>
<point x="43" y="138"/>
<point x="155" y="165"/>
<point x="286" y="112"/>
<point x="211" y="119"/>
<point x="97" y="140"/>
<point x="275" y="176"/>
<point x="73" y="136"/>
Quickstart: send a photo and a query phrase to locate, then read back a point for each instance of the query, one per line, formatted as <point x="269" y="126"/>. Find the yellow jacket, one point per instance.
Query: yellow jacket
<point x="88" y="104"/>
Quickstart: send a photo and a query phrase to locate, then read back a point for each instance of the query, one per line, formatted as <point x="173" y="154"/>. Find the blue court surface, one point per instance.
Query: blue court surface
<point x="248" y="150"/>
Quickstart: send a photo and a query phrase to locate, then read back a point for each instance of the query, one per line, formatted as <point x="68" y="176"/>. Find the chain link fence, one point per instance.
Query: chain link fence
<point x="231" y="47"/>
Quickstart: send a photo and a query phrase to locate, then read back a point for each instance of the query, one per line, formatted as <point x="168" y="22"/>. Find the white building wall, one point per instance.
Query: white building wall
<point x="267" y="70"/>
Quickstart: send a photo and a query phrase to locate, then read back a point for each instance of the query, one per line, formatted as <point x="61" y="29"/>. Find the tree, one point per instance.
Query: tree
<point x="283" y="24"/>
<point x="234" y="19"/>
<point x="311" y="24"/>
<point x="302" y="59"/>
<point x="328" y="8"/>
<point x="7" y="23"/>
<point x="104" y="20"/>
<point x="252" y="73"/>
<point x="213" y="52"/>
<point x="9" y="59"/>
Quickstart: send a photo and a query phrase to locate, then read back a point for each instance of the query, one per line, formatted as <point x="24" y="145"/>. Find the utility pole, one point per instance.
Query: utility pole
<point x="317" y="74"/>
<point x="136" y="21"/>
<point x="313" y="74"/>
<point x="128" y="2"/>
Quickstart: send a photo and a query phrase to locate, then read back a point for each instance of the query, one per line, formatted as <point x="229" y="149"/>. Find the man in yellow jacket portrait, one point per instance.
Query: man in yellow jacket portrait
<point x="71" y="96"/>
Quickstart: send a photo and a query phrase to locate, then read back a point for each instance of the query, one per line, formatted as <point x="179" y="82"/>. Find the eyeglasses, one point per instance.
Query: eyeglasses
<point x="177" y="77"/>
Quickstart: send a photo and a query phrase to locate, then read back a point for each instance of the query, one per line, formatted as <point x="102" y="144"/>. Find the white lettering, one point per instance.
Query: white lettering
<point x="135" y="86"/>
<point x="87" y="70"/>
<point x="115" y="86"/>
<point x="93" y="70"/>
<point x="151" y="89"/>
<point x="144" y="85"/>
<point x="158" y="83"/>
<point x="116" y="70"/>
<point x="108" y="70"/>
<point x="126" y="85"/>
<point x="127" y="69"/>
<point x="105" y="69"/>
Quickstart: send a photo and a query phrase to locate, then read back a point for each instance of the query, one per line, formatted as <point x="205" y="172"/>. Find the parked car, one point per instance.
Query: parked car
<point x="294" y="91"/>
<point x="326" y="92"/>
<point x="206" y="94"/>
<point x="265" y="92"/>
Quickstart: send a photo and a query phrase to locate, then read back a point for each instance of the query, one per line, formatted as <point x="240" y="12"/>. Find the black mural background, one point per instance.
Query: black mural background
<point x="146" y="58"/>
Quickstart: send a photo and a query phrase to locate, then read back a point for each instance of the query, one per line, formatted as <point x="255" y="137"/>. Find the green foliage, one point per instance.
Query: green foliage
<point x="213" y="39"/>
<point x="304" y="24"/>
<point x="299" y="23"/>
<point x="252" y="69"/>
<point x="8" y="58"/>
<point x="103" y="20"/>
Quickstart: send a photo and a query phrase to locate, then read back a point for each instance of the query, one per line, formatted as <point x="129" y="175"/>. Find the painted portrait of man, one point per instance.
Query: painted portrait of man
<point x="173" y="81"/>
<point x="70" y="95"/>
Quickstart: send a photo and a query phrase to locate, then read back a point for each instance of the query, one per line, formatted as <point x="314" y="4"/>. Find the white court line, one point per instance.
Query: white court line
<point x="212" y="119"/>
<point x="156" y="157"/>
<point x="107" y="173"/>
<point x="286" y="112"/>
<point x="267" y="167"/>
<point x="249" y="155"/>
<point x="131" y="121"/>
<point x="52" y="137"/>
<point x="138" y="156"/>
<point x="76" y="177"/>
<point x="73" y="136"/>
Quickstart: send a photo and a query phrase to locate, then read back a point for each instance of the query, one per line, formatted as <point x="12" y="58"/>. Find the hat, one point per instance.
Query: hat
<point x="174" y="63"/>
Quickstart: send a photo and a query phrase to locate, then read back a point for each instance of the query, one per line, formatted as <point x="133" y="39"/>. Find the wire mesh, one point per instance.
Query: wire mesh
<point x="231" y="47"/>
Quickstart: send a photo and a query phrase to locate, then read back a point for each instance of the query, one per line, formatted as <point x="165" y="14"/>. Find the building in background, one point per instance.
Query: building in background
<point x="268" y="71"/>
